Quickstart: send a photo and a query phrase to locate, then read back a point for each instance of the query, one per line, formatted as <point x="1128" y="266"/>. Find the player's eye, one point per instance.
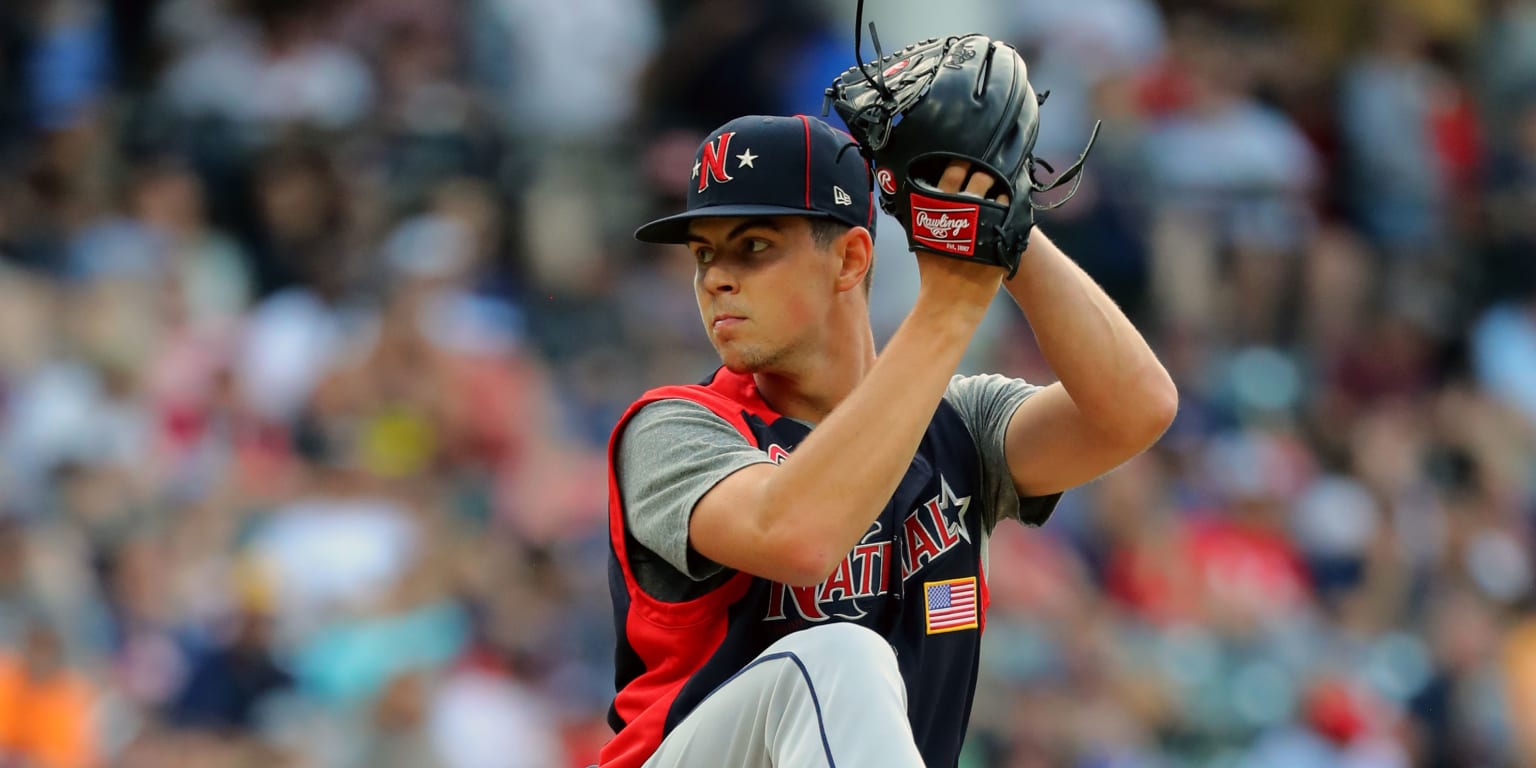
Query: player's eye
<point x="755" y="245"/>
<point x="704" y="255"/>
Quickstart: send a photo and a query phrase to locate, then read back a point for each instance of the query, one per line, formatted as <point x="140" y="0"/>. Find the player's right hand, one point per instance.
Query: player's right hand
<point x="955" y="283"/>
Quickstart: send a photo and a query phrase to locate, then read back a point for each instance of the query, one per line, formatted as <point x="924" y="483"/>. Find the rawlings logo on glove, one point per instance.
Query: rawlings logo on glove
<point x="946" y="227"/>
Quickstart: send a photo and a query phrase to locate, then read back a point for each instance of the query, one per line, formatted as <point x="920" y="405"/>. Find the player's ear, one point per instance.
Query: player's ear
<point x="855" y="251"/>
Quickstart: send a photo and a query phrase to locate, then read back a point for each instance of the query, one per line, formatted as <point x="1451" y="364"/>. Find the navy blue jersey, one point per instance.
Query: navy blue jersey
<point x="915" y="577"/>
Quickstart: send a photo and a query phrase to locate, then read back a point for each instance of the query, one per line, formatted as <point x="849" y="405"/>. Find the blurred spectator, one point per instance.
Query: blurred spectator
<point x="208" y="271"/>
<point x="1231" y="179"/>
<point x="1519" y="670"/>
<point x="484" y="719"/>
<point x="69" y="62"/>
<point x="228" y="683"/>
<point x="279" y="368"/>
<point x="1511" y="272"/>
<point x="1505" y="57"/>
<point x="279" y="68"/>
<point x="1504" y="349"/>
<point x="339" y="546"/>
<point x="46" y="706"/>
<point x="568" y="115"/>
<point x="16" y="24"/>
<point x="399" y="737"/>
<point x="1072" y="49"/>
<point x="550" y="95"/>
<point x="302" y="219"/>
<point x="1387" y="111"/>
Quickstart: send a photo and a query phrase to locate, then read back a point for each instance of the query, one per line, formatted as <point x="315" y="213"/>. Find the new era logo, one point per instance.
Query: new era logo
<point x="945" y="226"/>
<point x="840" y="197"/>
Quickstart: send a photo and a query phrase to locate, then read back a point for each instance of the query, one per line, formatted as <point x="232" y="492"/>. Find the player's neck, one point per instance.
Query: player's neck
<point x="822" y="379"/>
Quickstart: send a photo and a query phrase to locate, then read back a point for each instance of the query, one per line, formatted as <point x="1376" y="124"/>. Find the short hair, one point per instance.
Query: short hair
<point x="824" y="231"/>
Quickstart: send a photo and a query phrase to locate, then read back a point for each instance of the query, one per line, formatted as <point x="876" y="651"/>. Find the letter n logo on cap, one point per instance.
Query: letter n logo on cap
<point x="945" y="226"/>
<point x="713" y="160"/>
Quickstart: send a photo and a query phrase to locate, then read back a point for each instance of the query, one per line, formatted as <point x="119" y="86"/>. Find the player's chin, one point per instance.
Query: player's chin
<point x="738" y="368"/>
<point x="740" y="359"/>
<point x="736" y="363"/>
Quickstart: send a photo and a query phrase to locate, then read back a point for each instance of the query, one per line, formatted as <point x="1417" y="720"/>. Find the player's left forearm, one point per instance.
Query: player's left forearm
<point x="1104" y="364"/>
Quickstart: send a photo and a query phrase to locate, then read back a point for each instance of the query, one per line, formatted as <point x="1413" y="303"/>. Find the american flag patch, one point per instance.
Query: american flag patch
<point x="951" y="605"/>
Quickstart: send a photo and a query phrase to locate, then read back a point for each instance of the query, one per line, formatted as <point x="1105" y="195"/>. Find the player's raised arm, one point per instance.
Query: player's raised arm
<point x="1113" y="398"/>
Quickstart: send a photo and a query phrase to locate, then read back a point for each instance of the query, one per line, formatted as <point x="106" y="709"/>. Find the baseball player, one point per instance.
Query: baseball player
<point x="799" y="543"/>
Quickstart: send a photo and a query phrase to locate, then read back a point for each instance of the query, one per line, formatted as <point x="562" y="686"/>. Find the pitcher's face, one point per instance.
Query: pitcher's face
<point x="764" y="287"/>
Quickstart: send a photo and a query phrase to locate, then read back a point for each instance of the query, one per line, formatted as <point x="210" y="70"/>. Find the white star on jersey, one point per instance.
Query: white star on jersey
<point x="745" y="159"/>
<point x="951" y="501"/>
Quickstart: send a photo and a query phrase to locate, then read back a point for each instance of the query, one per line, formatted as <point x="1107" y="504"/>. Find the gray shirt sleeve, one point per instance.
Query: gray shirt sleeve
<point x="986" y="404"/>
<point x="670" y="454"/>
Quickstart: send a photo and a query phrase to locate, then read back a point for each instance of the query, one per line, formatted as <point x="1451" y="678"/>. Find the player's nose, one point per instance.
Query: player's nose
<point x="716" y="279"/>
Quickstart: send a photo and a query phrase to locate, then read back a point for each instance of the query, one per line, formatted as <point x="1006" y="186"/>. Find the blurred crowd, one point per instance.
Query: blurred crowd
<point x="315" y="316"/>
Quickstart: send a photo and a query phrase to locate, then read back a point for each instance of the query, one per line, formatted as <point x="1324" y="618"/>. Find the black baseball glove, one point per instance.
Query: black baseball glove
<point x="928" y="104"/>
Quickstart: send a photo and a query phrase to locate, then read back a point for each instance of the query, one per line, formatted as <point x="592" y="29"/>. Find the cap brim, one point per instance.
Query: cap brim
<point x="674" y="229"/>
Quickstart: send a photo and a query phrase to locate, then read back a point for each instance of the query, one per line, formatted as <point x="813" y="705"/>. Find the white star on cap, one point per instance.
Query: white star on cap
<point x="746" y="159"/>
<point x="696" y="165"/>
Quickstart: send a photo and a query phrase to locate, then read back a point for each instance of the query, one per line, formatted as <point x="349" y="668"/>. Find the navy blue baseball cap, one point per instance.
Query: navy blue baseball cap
<point x="773" y="166"/>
